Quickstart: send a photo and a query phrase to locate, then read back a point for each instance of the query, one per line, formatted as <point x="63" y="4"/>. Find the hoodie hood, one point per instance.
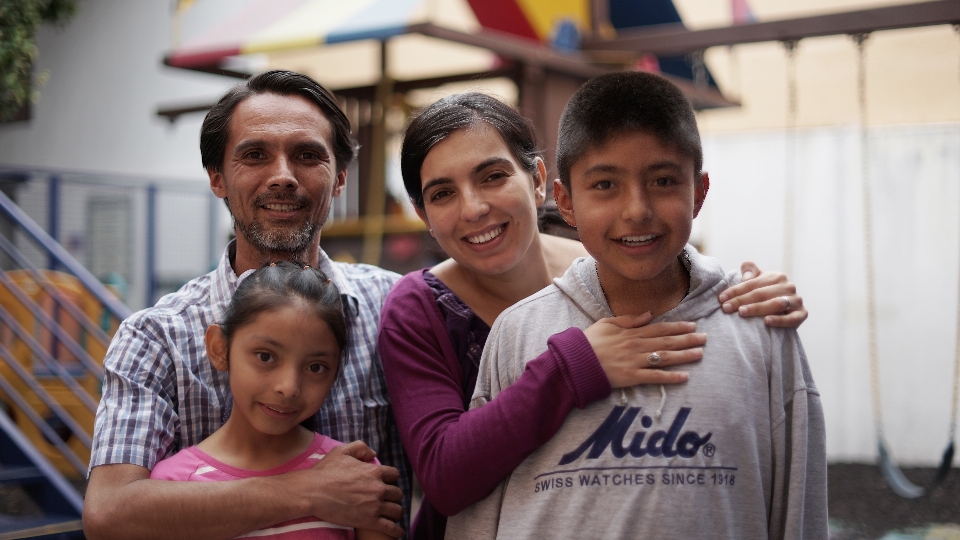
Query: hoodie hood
<point x="707" y="280"/>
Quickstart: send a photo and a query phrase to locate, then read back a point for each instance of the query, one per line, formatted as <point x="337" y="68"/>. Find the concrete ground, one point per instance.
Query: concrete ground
<point x="862" y="507"/>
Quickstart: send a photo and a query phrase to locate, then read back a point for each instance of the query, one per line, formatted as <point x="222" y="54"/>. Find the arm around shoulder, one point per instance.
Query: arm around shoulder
<point x="459" y="456"/>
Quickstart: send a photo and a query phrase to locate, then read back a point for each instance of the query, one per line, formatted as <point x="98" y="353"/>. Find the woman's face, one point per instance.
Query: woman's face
<point x="479" y="202"/>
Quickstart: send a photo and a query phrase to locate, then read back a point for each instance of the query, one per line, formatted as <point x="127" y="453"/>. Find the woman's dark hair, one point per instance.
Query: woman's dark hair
<point x="278" y="284"/>
<point x="213" y="132"/>
<point x="440" y="120"/>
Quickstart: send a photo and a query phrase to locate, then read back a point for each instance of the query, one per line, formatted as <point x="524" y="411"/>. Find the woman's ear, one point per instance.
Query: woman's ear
<point x="422" y="214"/>
<point x="540" y="183"/>
<point x="216" y="344"/>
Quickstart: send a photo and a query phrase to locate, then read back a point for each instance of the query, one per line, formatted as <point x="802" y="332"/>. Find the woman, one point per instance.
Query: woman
<point x="471" y="168"/>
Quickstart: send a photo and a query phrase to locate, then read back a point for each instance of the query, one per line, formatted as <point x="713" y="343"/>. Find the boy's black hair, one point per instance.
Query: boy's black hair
<point x="278" y="284"/>
<point x="624" y="102"/>
<point x="459" y="111"/>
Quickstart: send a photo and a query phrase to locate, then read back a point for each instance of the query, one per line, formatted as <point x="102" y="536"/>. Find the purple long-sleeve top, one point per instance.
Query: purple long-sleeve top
<point x="459" y="456"/>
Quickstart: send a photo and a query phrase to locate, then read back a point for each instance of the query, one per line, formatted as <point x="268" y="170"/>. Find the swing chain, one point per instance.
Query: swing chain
<point x="956" y="357"/>
<point x="860" y="40"/>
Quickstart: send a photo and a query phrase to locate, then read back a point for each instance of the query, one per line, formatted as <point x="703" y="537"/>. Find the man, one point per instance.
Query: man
<point x="276" y="149"/>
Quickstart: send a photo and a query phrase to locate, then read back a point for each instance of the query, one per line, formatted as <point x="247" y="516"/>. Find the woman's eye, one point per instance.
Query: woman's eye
<point x="499" y="175"/>
<point x="440" y="194"/>
<point x="264" y="357"/>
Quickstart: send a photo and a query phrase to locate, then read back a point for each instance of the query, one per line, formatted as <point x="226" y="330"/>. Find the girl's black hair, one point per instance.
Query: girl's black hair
<point x="440" y="120"/>
<point x="278" y="284"/>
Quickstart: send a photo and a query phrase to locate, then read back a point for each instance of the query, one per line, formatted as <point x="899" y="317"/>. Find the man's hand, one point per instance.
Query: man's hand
<point x="123" y="502"/>
<point x="348" y="491"/>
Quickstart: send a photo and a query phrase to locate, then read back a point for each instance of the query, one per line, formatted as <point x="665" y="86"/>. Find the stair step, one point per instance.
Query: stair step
<point x="20" y="474"/>
<point x="38" y="526"/>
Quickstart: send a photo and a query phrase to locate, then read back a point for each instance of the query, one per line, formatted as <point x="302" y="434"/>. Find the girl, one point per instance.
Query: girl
<point x="281" y="342"/>
<point x="471" y="167"/>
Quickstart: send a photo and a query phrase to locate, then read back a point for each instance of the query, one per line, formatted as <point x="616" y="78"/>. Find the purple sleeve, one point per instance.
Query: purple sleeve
<point x="460" y="456"/>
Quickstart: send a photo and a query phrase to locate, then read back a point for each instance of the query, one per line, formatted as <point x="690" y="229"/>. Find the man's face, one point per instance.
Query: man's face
<point x="633" y="200"/>
<point x="279" y="175"/>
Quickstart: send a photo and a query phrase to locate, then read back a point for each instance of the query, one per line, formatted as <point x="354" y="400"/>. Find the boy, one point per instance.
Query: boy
<point x="736" y="452"/>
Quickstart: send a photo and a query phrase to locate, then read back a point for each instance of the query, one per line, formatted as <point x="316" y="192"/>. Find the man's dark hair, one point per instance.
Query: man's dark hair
<point x="459" y="111"/>
<point x="213" y="132"/>
<point x="628" y="101"/>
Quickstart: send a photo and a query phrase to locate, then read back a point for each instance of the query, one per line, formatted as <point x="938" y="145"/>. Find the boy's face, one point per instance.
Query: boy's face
<point x="633" y="200"/>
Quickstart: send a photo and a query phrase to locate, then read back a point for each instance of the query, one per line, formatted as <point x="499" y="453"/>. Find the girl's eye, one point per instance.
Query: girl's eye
<point x="316" y="368"/>
<point x="264" y="357"/>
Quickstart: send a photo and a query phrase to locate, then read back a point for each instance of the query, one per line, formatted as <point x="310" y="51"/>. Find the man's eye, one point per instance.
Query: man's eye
<point x="253" y="154"/>
<point x="264" y="357"/>
<point x="309" y="156"/>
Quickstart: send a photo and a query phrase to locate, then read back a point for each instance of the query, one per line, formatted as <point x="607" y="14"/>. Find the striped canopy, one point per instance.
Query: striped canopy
<point x="267" y="26"/>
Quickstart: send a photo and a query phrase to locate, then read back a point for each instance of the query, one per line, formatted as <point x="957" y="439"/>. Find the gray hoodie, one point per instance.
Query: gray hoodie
<point x="737" y="453"/>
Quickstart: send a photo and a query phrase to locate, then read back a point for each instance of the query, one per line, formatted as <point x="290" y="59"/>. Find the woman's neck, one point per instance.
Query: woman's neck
<point x="488" y="295"/>
<point x="240" y="445"/>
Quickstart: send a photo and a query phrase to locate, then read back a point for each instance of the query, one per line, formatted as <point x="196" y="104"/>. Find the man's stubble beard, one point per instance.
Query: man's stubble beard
<point x="281" y="243"/>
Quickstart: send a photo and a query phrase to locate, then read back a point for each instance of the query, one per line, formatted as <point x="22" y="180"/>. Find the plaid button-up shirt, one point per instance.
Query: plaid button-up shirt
<point x="161" y="394"/>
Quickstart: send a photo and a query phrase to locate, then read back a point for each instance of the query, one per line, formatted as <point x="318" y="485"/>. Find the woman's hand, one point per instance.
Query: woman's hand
<point x="765" y="294"/>
<point x="623" y="345"/>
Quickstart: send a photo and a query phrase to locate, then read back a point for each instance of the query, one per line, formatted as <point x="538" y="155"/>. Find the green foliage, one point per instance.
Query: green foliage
<point x="19" y="20"/>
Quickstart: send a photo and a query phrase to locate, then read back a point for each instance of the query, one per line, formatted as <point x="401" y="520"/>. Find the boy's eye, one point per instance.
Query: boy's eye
<point x="664" y="181"/>
<point x="264" y="357"/>
<point x="603" y="184"/>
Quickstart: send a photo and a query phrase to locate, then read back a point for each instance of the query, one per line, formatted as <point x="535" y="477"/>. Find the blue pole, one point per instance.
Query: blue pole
<point x="151" y="244"/>
<point x="53" y="217"/>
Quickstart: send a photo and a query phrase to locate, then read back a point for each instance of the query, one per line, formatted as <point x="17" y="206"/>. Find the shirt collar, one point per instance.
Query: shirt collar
<point x="225" y="282"/>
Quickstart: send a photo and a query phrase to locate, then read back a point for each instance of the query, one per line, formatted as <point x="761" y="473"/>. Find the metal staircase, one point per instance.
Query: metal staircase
<point x="55" y="326"/>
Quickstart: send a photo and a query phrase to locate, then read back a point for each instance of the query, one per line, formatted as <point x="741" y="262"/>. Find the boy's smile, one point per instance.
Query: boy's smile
<point x="633" y="200"/>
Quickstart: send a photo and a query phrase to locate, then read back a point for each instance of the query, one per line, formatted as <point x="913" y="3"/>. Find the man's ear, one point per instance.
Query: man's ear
<point x="700" y="193"/>
<point x="564" y="203"/>
<point x="341" y="183"/>
<point x="540" y="183"/>
<point x="217" y="185"/>
<point x="216" y="344"/>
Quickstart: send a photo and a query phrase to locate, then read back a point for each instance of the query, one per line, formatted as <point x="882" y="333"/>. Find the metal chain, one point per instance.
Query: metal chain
<point x="860" y="39"/>
<point x="956" y="355"/>
<point x="791" y="155"/>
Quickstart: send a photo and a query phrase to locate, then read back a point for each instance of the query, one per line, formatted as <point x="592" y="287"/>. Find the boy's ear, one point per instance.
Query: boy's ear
<point x="700" y="192"/>
<point x="564" y="202"/>
<point x="216" y="347"/>
<point x="540" y="183"/>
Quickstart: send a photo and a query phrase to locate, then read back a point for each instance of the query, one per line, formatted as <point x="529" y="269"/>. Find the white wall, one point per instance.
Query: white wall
<point x="915" y="178"/>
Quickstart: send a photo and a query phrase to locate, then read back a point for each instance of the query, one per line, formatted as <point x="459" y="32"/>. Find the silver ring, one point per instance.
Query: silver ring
<point x="786" y="309"/>
<point x="654" y="359"/>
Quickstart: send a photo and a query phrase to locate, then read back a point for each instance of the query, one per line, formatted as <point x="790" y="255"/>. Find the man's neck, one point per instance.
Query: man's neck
<point x="657" y="295"/>
<point x="248" y="257"/>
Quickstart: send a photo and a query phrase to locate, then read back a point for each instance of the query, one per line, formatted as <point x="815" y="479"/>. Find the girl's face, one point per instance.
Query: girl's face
<point x="281" y="365"/>
<point x="479" y="202"/>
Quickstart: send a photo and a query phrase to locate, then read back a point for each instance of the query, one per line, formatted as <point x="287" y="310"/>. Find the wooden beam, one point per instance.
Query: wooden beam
<point x="675" y="39"/>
